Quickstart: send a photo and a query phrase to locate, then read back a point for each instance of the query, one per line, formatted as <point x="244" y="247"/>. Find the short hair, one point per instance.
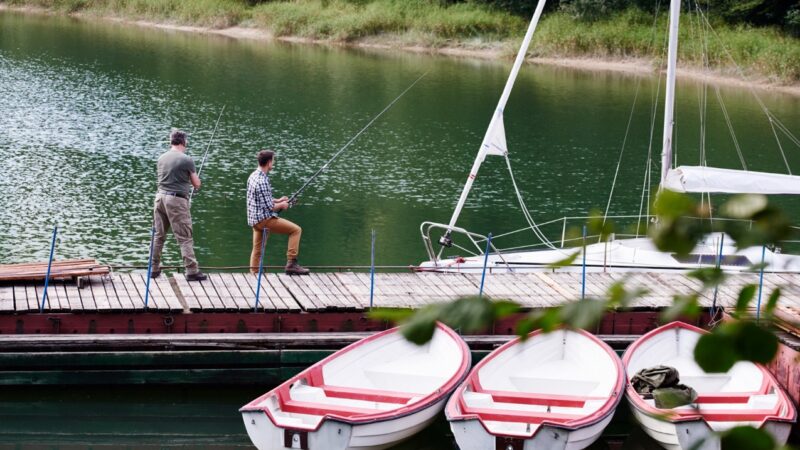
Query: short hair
<point x="177" y="137"/>
<point x="264" y="157"/>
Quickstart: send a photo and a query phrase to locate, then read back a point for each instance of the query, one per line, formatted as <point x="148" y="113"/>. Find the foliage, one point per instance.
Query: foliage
<point x="681" y="224"/>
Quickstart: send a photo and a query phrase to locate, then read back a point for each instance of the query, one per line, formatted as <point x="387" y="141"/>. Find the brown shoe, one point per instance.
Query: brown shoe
<point x="292" y="268"/>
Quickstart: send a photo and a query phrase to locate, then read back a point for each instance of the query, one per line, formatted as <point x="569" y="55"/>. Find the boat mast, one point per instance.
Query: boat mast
<point x="669" y="103"/>
<point x="494" y="139"/>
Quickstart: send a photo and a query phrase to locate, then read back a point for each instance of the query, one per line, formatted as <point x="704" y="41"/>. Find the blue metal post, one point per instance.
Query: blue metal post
<point x="485" y="262"/>
<point x="760" y="283"/>
<point x="372" y="271"/>
<point x="49" y="265"/>
<point x="583" y="277"/>
<point x="149" y="267"/>
<point x="260" y="266"/>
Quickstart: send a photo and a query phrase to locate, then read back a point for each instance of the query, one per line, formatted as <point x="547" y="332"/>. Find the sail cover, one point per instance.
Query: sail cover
<point x="709" y="179"/>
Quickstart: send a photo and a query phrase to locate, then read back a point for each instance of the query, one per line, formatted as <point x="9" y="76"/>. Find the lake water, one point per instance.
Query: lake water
<point x="86" y="108"/>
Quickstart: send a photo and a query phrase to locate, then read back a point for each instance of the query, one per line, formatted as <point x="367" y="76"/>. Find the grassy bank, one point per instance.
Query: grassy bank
<point x="762" y="53"/>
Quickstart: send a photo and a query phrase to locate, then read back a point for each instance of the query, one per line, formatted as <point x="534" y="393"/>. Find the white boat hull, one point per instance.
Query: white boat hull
<point x="746" y="395"/>
<point x="471" y="435"/>
<point x="699" y="435"/>
<point x="333" y="435"/>
<point x="372" y="395"/>
<point x="623" y="255"/>
<point x="552" y="391"/>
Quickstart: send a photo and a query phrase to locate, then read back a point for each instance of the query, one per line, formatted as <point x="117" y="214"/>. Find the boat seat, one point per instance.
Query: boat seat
<point x="322" y="409"/>
<point x="517" y="416"/>
<point x="370" y="395"/>
<point x="531" y="398"/>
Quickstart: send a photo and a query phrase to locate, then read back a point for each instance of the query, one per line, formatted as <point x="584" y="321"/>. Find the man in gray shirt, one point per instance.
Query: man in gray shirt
<point x="176" y="178"/>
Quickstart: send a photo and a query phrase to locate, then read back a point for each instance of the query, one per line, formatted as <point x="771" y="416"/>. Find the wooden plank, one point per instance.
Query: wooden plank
<point x="73" y="298"/>
<point x="348" y="299"/>
<point x="243" y="281"/>
<point x="268" y="298"/>
<point x="186" y="291"/>
<point x="206" y="302"/>
<point x="167" y="296"/>
<point x="214" y="288"/>
<point x="330" y="287"/>
<point x="32" y="298"/>
<point x="7" y="299"/>
<point x="321" y="297"/>
<point x="349" y="283"/>
<point x="306" y="300"/>
<point x="116" y="294"/>
<point x="155" y="301"/>
<point x="225" y="281"/>
<point x="135" y="290"/>
<point x="97" y="290"/>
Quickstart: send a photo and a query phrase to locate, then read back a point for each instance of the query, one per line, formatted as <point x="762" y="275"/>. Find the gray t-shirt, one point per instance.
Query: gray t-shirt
<point x="174" y="168"/>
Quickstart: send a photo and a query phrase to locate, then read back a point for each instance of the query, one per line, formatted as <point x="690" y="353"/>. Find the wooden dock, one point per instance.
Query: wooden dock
<point x="350" y="291"/>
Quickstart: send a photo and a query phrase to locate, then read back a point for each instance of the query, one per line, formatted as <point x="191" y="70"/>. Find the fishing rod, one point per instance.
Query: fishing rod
<point x="208" y="146"/>
<point x="293" y="198"/>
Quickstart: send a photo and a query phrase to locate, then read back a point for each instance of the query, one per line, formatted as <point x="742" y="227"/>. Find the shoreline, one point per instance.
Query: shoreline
<point x="496" y="51"/>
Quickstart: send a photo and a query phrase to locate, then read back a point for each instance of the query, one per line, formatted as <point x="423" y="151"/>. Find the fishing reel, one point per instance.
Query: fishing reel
<point x="446" y="240"/>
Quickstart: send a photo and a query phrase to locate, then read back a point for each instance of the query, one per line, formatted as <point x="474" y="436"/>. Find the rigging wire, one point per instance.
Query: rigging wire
<point x="730" y="128"/>
<point x="525" y="212"/>
<point x="773" y="121"/>
<point x="647" y="180"/>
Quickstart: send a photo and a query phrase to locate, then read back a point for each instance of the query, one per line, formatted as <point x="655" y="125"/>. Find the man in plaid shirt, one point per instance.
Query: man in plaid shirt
<point x="262" y="212"/>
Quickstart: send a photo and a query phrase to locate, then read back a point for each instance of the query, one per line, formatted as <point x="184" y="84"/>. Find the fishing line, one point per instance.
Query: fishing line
<point x="293" y="198"/>
<point x="208" y="147"/>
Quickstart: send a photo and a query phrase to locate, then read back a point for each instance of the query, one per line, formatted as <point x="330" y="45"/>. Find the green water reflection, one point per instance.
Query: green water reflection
<point x="87" y="106"/>
<point x="202" y="417"/>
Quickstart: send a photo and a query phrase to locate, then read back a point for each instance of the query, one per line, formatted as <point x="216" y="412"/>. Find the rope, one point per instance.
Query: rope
<point x="531" y="223"/>
<point x="622" y="150"/>
<point x="730" y="128"/>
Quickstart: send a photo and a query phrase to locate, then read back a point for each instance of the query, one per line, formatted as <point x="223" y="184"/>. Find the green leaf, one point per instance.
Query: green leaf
<point x="618" y="296"/>
<point x="583" y="313"/>
<point x="682" y="306"/>
<point x="669" y="204"/>
<point x="525" y="326"/>
<point x="597" y="225"/>
<point x="420" y="327"/>
<point x="469" y="314"/>
<point x="504" y="308"/>
<point x="394" y="315"/>
<point x="745" y="297"/>
<point x="747" y="438"/>
<point x="714" y="352"/>
<point x="754" y="343"/>
<point x="772" y="301"/>
<point x="565" y="262"/>
<point x="709" y="276"/>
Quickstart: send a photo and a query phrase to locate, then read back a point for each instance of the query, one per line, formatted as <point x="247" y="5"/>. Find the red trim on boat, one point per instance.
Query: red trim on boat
<point x="313" y="376"/>
<point x="783" y="411"/>
<point x="369" y="395"/>
<point x="457" y="409"/>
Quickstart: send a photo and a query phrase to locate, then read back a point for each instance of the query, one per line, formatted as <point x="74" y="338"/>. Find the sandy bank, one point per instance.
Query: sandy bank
<point x="497" y="51"/>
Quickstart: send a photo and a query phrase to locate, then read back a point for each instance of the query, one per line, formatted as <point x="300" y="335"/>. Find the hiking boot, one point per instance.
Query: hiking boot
<point x="292" y="268"/>
<point x="197" y="276"/>
<point x="155" y="273"/>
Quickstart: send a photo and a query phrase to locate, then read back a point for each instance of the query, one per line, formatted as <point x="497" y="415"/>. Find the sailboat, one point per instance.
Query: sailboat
<point x="629" y="254"/>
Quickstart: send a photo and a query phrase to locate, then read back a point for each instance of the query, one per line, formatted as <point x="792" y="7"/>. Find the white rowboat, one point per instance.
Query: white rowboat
<point x="745" y="395"/>
<point x="553" y="391"/>
<point x="369" y="395"/>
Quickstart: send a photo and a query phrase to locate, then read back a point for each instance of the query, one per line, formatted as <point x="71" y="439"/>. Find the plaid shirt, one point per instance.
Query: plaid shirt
<point x="259" y="198"/>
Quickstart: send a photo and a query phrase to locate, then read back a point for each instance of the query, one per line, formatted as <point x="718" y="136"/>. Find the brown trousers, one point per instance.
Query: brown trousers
<point x="279" y="226"/>
<point x="173" y="212"/>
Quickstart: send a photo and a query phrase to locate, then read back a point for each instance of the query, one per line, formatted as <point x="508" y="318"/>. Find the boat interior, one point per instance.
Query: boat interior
<point x="746" y="393"/>
<point x="560" y="377"/>
<point x="376" y="377"/>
